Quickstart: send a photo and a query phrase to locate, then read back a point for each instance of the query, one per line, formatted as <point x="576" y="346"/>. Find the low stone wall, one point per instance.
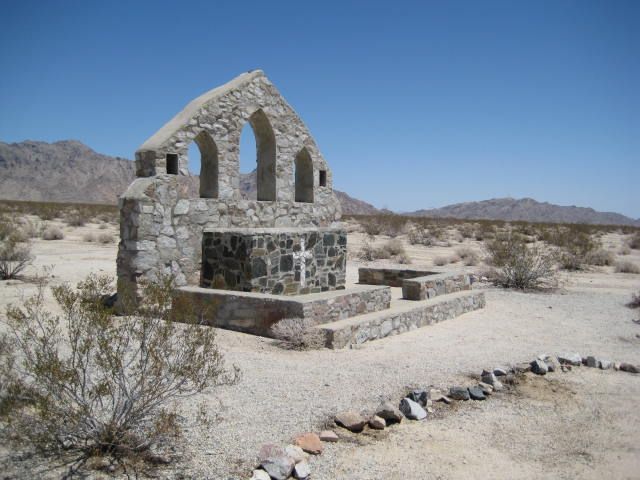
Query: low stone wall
<point x="255" y="313"/>
<point x="392" y="277"/>
<point x="431" y="286"/>
<point x="281" y="261"/>
<point x="383" y="324"/>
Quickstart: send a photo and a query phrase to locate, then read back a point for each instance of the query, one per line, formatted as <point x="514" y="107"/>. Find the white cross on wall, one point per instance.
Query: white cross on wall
<point x="302" y="256"/>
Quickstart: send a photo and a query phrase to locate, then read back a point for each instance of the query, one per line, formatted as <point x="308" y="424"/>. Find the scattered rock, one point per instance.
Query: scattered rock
<point x="490" y="379"/>
<point x="412" y="410"/>
<point x="629" y="367"/>
<point x="566" y="368"/>
<point x="486" y="388"/>
<point x="459" y="393"/>
<point x="476" y="393"/>
<point x="260" y="475"/>
<point x="500" y="371"/>
<point x="605" y="364"/>
<point x="377" y="423"/>
<point x="352" y="421"/>
<point x="389" y="413"/>
<point x="521" y="368"/>
<point x="435" y="395"/>
<point x="552" y="366"/>
<point x="419" y="396"/>
<point x="570" y="359"/>
<point x="328" y="436"/>
<point x="310" y="443"/>
<point x="539" y="367"/>
<point x="302" y="470"/>
<point x="278" y="468"/>
<point x="158" y="459"/>
<point x="592" y="362"/>
<point x="295" y="453"/>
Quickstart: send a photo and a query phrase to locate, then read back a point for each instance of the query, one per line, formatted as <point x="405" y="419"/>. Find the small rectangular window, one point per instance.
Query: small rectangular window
<point x="172" y="163"/>
<point x="323" y="178"/>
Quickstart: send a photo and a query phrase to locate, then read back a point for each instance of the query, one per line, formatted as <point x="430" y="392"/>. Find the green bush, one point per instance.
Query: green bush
<point x="87" y="383"/>
<point x="522" y="266"/>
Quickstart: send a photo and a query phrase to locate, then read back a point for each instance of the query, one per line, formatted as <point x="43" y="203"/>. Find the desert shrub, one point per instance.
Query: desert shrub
<point x="103" y="226"/>
<point x="626" y="266"/>
<point x="86" y="383"/>
<point x="15" y="249"/>
<point x="52" y="233"/>
<point x="395" y="247"/>
<point x="624" y="250"/>
<point x="75" y="220"/>
<point x="418" y="236"/>
<point x="469" y="256"/>
<point x="518" y="265"/>
<point x="635" y="301"/>
<point x="634" y="241"/>
<point x="466" y="230"/>
<point x="89" y="237"/>
<point x="576" y="249"/>
<point x="105" y="238"/>
<point x="298" y="334"/>
<point x="440" y="261"/>
<point x="371" y="227"/>
<point x="600" y="258"/>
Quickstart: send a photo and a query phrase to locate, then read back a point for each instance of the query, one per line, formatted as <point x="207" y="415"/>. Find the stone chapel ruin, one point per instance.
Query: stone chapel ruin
<point x="282" y="255"/>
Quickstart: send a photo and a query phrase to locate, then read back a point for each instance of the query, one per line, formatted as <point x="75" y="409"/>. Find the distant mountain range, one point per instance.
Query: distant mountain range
<point x="69" y="171"/>
<point x="527" y="210"/>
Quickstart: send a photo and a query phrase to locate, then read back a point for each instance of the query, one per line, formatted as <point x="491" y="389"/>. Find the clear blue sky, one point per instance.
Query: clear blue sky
<point x="414" y="104"/>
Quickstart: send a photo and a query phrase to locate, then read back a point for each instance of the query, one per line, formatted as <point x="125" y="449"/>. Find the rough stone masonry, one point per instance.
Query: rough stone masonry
<point x="162" y="224"/>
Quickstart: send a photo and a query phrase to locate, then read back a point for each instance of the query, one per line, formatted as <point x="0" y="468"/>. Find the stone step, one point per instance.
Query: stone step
<point x="404" y="317"/>
<point x="256" y="312"/>
<point x="430" y="286"/>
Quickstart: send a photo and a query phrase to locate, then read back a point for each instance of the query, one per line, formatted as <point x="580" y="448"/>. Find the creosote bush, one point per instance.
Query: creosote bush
<point x="298" y="334"/>
<point x="519" y="265"/>
<point x="15" y="249"/>
<point x="105" y="238"/>
<point x="52" y="233"/>
<point x="626" y="266"/>
<point x="635" y="301"/>
<point x="86" y="383"/>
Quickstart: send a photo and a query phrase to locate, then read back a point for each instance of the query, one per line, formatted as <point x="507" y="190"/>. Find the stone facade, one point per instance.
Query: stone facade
<point x="162" y="220"/>
<point x="276" y="261"/>
<point x="255" y="313"/>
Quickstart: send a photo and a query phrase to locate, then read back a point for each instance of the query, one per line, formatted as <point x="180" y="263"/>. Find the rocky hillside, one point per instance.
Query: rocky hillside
<point x="69" y="171"/>
<point x="66" y="171"/>
<point x="528" y="210"/>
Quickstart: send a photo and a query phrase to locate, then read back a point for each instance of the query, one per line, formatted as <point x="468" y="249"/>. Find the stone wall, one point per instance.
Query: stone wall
<point x="396" y="321"/>
<point x="162" y="219"/>
<point x="277" y="261"/>
<point x="392" y="277"/>
<point x="431" y="286"/>
<point x="255" y="313"/>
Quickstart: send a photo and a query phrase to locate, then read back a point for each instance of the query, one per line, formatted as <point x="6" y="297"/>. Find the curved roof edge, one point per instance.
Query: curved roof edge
<point x="158" y="139"/>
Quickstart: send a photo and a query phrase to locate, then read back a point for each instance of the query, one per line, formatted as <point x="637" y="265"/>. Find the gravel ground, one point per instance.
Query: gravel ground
<point x="283" y="393"/>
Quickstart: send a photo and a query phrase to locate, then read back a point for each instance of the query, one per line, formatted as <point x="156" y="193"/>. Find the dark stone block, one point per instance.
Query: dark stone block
<point x="329" y="239"/>
<point x="278" y="288"/>
<point x="286" y="263"/>
<point x="258" y="268"/>
<point x="332" y="280"/>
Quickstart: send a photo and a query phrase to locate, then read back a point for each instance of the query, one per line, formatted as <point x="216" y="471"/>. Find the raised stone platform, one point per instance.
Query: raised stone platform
<point x="392" y="277"/>
<point x="402" y="318"/>
<point x="430" y="286"/>
<point x="256" y="312"/>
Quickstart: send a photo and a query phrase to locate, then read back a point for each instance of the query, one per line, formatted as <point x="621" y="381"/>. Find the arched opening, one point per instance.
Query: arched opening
<point x="265" y="166"/>
<point x="203" y="158"/>
<point x="304" y="177"/>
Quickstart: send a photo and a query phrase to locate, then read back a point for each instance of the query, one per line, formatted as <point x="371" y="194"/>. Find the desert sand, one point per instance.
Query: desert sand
<point x="579" y="424"/>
